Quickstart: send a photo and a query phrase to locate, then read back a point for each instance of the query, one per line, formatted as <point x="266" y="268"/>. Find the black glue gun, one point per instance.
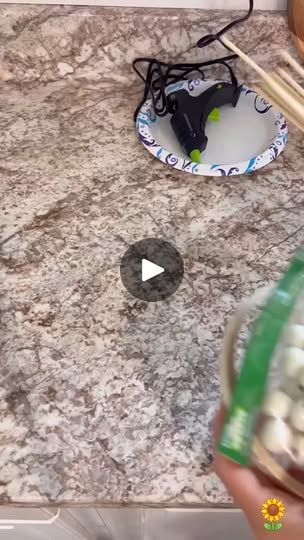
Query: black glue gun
<point x="190" y="114"/>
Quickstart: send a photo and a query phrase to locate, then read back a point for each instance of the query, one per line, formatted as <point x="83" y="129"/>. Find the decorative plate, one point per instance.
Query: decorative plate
<point x="245" y="138"/>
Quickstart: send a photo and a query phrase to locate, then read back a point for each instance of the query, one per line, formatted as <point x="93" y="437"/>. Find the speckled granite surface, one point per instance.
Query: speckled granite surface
<point x="105" y="399"/>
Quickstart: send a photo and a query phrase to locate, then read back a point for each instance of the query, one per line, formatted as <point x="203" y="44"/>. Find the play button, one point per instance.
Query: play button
<point x="152" y="270"/>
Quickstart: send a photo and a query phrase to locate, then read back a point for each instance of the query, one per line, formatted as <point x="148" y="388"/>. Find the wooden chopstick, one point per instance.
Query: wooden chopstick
<point x="276" y="101"/>
<point x="244" y="57"/>
<point x="293" y="63"/>
<point x="284" y="110"/>
<point x="274" y="88"/>
<point x="285" y="75"/>
<point x="288" y="88"/>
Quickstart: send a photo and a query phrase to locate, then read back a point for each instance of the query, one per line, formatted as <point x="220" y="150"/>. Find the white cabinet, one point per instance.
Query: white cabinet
<point x="41" y="524"/>
<point x="196" y="525"/>
<point x="93" y="520"/>
<point x="167" y="524"/>
<point x="200" y="4"/>
<point x="124" y="524"/>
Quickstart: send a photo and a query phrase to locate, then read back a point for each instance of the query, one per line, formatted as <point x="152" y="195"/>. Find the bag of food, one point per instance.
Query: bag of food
<point x="264" y="425"/>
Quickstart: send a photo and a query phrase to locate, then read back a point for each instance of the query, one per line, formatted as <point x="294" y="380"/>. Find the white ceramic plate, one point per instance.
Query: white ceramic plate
<point x="245" y="138"/>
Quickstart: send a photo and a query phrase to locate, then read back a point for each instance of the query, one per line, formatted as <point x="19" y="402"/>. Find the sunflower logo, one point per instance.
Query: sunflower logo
<point x="273" y="511"/>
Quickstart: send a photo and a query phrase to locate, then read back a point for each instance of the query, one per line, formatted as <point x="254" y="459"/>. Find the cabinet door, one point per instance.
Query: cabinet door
<point x="92" y="520"/>
<point x="124" y="523"/>
<point x="175" y="524"/>
<point x="196" y="525"/>
<point x="41" y="524"/>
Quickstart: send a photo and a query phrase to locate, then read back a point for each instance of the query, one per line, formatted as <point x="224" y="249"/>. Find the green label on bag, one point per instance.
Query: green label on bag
<point x="249" y="391"/>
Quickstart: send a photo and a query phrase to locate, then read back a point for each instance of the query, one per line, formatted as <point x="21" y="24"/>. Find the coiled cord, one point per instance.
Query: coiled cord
<point x="159" y="74"/>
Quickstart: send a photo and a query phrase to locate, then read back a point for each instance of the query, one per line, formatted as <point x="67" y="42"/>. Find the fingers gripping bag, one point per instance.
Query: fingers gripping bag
<point x="264" y="424"/>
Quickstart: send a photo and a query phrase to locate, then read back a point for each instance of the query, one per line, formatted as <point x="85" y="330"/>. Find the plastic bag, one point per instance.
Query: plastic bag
<point x="265" y="420"/>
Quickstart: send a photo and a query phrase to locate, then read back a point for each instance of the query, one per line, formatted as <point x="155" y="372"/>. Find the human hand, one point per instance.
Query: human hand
<point x="250" y="489"/>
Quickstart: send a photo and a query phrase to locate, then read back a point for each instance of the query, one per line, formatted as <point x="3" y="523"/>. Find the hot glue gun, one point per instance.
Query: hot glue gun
<point x="190" y="114"/>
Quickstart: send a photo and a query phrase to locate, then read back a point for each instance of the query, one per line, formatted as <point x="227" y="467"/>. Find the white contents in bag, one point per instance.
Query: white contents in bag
<point x="276" y="436"/>
<point x="295" y="336"/>
<point x="277" y="404"/>
<point x="293" y="361"/>
<point x="297" y="416"/>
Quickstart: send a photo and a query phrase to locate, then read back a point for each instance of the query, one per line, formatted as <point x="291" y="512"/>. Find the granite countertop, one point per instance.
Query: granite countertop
<point x="106" y="399"/>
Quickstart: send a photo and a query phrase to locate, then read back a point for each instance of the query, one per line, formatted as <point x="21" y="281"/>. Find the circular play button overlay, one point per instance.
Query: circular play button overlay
<point x="152" y="270"/>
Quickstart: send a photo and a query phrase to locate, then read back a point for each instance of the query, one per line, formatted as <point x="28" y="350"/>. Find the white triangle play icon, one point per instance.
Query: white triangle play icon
<point x="149" y="270"/>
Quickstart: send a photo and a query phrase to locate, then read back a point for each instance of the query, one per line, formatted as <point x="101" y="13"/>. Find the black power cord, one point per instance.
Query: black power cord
<point x="160" y="74"/>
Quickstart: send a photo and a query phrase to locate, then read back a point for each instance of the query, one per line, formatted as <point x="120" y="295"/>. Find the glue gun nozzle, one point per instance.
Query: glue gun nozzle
<point x="195" y="155"/>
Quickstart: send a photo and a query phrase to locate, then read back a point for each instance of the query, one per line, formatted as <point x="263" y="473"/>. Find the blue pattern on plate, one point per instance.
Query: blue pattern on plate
<point x="229" y="172"/>
<point x="174" y="87"/>
<point x="251" y="164"/>
<point x="171" y="159"/>
<point x="192" y="84"/>
<point x="187" y="164"/>
<point x="147" y="117"/>
<point x="261" y="105"/>
<point x="143" y="121"/>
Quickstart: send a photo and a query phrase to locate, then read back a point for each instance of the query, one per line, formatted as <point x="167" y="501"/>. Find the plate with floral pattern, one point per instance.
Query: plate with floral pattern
<point x="245" y="139"/>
